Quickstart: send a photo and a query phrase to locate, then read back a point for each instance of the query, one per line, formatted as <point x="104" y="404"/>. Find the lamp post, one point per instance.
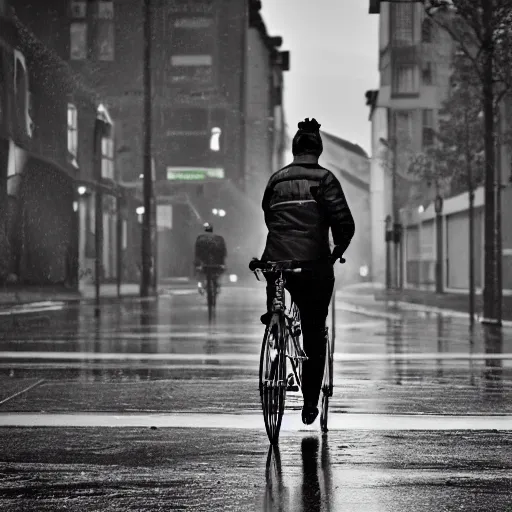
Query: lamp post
<point x="148" y="181"/>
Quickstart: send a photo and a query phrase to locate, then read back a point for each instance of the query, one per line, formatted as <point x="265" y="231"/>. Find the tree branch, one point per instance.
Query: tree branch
<point x="456" y="39"/>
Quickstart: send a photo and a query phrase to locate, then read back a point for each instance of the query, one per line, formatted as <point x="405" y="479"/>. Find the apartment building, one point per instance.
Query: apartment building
<point x="414" y="64"/>
<point x="414" y="67"/>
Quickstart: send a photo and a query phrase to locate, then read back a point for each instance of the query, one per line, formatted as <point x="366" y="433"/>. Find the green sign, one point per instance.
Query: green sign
<point x="194" y="173"/>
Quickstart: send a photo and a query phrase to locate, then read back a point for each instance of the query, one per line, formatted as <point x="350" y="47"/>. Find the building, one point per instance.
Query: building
<point x="73" y="130"/>
<point x="351" y="165"/>
<point x="414" y="67"/>
<point x="38" y="176"/>
<point x="216" y="108"/>
<point x="414" y="64"/>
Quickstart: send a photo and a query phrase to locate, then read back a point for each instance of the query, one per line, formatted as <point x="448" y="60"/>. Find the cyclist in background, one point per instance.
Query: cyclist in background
<point x="301" y="202"/>
<point x="211" y="251"/>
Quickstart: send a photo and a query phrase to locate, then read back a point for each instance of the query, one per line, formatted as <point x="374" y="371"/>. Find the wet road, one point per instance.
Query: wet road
<point x="150" y="407"/>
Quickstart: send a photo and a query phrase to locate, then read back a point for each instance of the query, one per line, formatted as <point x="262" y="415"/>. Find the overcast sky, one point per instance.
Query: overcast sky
<point x="334" y="59"/>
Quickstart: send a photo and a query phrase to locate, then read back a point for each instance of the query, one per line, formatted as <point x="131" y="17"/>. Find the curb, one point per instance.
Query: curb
<point x="412" y="306"/>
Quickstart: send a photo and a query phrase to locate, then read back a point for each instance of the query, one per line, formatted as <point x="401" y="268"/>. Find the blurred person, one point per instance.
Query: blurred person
<point x="210" y="250"/>
<point x="301" y="202"/>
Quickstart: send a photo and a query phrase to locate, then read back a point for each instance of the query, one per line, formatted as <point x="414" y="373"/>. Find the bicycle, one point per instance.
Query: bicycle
<point x="212" y="273"/>
<point x="281" y="343"/>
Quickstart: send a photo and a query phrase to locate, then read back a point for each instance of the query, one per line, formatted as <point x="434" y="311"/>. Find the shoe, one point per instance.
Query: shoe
<point x="309" y="414"/>
<point x="265" y="319"/>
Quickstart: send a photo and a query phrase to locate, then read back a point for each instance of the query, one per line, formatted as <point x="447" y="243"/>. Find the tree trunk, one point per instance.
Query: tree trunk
<point x="488" y="107"/>
<point x="471" y="215"/>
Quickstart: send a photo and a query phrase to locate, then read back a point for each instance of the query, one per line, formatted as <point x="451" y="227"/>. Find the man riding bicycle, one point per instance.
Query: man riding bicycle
<point x="210" y="251"/>
<point x="301" y="202"/>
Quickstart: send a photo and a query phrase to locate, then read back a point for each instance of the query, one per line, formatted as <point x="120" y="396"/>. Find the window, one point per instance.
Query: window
<point x="403" y="125"/>
<point x="78" y="40"/>
<point x="428" y="128"/>
<point x="105" y="31"/>
<point x="427" y="73"/>
<point x="405" y="80"/>
<point x="78" y="9"/>
<point x="72" y="132"/>
<point x="402" y="23"/>
<point x="426" y="30"/>
<point x="193" y="44"/>
<point x="107" y="158"/>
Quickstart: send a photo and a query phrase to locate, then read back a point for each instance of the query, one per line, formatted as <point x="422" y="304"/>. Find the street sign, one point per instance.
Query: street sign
<point x="194" y="173"/>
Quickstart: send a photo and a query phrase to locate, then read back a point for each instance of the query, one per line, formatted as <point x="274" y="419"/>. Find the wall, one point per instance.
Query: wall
<point x="353" y="172"/>
<point x="380" y="193"/>
<point x="455" y="243"/>
<point x="258" y="158"/>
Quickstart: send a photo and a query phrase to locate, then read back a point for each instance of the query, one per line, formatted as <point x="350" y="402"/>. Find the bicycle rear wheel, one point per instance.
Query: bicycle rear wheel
<point x="210" y="294"/>
<point x="273" y="377"/>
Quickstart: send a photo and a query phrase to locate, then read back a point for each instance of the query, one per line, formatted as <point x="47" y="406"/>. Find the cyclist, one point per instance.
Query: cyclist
<point x="301" y="202"/>
<point x="210" y="250"/>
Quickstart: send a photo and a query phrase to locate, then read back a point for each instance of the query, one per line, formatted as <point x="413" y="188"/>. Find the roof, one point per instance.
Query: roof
<point x="354" y="180"/>
<point x="349" y="146"/>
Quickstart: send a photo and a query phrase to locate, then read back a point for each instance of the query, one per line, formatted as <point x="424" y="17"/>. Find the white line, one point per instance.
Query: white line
<point x="254" y="421"/>
<point x="105" y="356"/>
<point x="86" y="366"/>
<point x="22" y="391"/>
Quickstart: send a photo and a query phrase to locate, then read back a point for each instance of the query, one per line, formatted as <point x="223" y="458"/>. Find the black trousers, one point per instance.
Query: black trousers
<point x="311" y="291"/>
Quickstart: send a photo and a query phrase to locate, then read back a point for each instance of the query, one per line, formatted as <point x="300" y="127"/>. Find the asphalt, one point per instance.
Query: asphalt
<point x="151" y="407"/>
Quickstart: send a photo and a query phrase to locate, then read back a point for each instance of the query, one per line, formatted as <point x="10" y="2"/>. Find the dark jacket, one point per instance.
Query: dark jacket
<point x="210" y="249"/>
<point x="301" y="202"/>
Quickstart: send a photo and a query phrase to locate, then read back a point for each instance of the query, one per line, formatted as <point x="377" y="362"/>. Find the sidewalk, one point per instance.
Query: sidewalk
<point x="446" y="301"/>
<point x="15" y="295"/>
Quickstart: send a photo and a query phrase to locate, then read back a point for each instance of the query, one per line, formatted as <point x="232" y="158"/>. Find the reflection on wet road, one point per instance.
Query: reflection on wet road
<point x="165" y="357"/>
<point x="422" y="410"/>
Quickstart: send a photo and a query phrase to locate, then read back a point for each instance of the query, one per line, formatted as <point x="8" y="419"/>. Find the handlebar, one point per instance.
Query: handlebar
<point x="289" y="266"/>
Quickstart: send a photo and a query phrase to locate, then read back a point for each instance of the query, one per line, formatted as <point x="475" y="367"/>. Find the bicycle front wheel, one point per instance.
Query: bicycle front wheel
<point x="273" y="378"/>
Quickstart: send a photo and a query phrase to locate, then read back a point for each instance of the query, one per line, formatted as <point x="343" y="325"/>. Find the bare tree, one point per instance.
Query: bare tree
<point x="455" y="161"/>
<point x="482" y="30"/>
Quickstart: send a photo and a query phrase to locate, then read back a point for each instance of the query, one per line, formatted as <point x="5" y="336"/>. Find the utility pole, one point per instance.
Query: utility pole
<point x="148" y="179"/>
<point x="489" y="180"/>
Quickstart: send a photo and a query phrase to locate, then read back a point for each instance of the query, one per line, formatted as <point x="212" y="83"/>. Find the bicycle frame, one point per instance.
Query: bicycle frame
<point x="293" y="351"/>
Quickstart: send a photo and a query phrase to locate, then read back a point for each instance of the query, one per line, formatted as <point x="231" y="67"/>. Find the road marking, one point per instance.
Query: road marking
<point x="22" y="391"/>
<point x="26" y="310"/>
<point x="254" y="421"/>
<point x="116" y="356"/>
